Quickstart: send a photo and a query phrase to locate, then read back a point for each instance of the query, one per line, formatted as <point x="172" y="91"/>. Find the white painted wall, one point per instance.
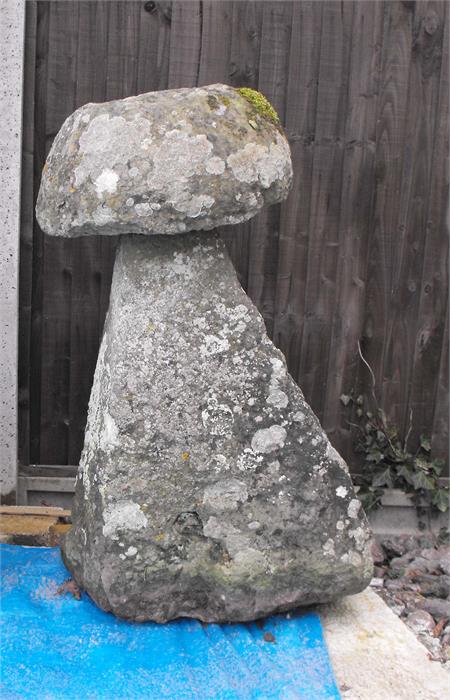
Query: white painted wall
<point x="12" y="30"/>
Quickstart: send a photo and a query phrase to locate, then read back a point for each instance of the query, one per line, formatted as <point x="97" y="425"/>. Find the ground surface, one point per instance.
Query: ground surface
<point x="374" y="655"/>
<point x="412" y="575"/>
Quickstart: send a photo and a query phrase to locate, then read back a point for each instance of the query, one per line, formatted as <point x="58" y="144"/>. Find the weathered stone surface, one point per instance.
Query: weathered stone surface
<point x="163" y="162"/>
<point x="207" y="487"/>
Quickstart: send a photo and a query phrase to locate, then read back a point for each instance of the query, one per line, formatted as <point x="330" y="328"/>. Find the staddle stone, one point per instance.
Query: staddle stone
<point x="206" y="487"/>
<point x="164" y="162"/>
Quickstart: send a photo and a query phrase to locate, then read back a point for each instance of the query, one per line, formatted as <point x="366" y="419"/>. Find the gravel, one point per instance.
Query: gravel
<point x="411" y="574"/>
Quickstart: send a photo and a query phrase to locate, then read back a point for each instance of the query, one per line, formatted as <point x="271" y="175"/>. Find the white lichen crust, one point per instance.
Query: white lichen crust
<point x="163" y="162"/>
<point x="207" y="487"/>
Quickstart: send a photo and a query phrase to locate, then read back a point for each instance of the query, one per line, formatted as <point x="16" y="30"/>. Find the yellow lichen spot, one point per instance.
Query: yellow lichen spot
<point x="185" y="456"/>
<point x="72" y="189"/>
<point x="159" y="537"/>
<point x="113" y="201"/>
<point x="260" y="103"/>
<point x="150" y="327"/>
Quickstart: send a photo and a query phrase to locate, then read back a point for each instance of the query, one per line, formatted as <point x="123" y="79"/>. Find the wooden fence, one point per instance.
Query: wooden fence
<point x="357" y="253"/>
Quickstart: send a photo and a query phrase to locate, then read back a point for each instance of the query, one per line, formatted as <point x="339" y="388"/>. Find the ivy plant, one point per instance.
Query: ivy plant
<point x="387" y="460"/>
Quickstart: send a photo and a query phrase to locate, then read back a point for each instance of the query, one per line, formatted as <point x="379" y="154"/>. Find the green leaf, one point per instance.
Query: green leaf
<point x="374" y="456"/>
<point x="421" y="481"/>
<point x="421" y="463"/>
<point x="425" y="443"/>
<point x="384" y="478"/>
<point x="369" y="500"/>
<point x="345" y="399"/>
<point x="381" y="437"/>
<point x="406" y="474"/>
<point x="399" y="456"/>
<point x="437" y="466"/>
<point x="441" y="500"/>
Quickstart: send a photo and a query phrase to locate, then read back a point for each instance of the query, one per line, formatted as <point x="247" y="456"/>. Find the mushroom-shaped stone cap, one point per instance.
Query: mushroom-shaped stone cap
<point x="163" y="163"/>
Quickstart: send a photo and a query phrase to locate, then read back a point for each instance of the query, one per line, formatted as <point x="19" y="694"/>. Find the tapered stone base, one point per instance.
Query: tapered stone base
<point x="207" y="487"/>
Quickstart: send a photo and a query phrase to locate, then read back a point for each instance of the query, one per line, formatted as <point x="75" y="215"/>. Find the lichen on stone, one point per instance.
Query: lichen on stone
<point x="260" y="103"/>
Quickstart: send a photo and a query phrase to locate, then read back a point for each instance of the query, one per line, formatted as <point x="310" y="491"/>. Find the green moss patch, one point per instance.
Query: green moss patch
<point x="260" y="103"/>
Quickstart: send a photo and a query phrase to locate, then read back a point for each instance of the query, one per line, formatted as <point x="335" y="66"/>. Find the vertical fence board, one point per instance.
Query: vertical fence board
<point x="40" y="106"/>
<point x="325" y="235"/>
<point x="355" y="215"/>
<point x="57" y="263"/>
<point x="411" y="224"/>
<point x="428" y="399"/>
<point x="245" y="47"/>
<point x="215" y="42"/>
<point x="26" y="235"/>
<point x="300" y="123"/>
<point x="385" y="238"/>
<point x="122" y="56"/>
<point x="153" y="50"/>
<point x="439" y="435"/>
<point x="185" y="44"/>
<point x="272" y="82"/>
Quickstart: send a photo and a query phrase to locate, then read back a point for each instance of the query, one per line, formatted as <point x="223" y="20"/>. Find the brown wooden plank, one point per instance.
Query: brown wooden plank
<point x="92" y="64"/>
<point x="215" y="42"/>
<point x="428" y="398"/>
<point x="58" y="260"/>
<point x="294" y="222"/>
<point x="411" y="211"/>
<point x="122" y="54"/>
<point x="324" y="232"/>
<point x="245" y="44"/>
<point x="185" y="44"/>
<point x="439" y="442"/>
<point x="272" y="82"/>
<point x="246" y="33"/>
<point x="26" y="234"/>
<point x="153" y="48"/>
<point x="385" y="237"/>
<point x="34" y="510"/>
<point x="356" y="211"/>
<point x="40" y="108"/>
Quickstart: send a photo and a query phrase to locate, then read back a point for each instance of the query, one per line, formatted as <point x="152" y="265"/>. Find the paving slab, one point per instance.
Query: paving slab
<point x="375" y="656"/>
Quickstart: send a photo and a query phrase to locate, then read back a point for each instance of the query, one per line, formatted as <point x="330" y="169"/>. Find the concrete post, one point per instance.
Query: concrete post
<point x="12" y="26"/>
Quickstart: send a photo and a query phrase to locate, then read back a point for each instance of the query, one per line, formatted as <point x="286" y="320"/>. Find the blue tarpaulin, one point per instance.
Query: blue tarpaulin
<point x="56" y="647"/>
